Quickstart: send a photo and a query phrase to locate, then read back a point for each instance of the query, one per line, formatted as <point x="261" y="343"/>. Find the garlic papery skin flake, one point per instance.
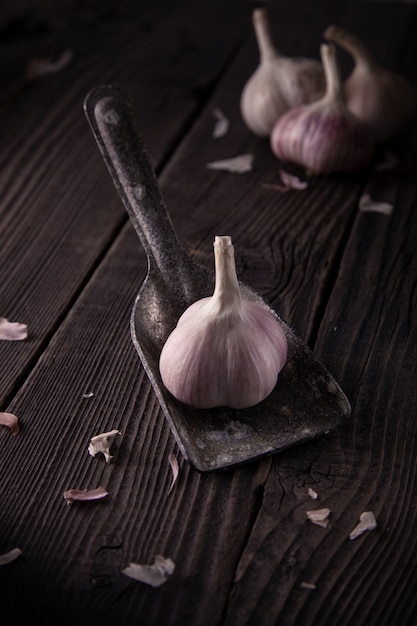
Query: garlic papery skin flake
<point x="324" y="136"/>
<point x="381" y="98"/>
<point x="225" y="350"/>
<point x="279" y="82"/>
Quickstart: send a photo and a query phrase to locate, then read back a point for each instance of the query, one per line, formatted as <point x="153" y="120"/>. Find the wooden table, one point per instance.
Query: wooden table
<point x="70" y="268"/>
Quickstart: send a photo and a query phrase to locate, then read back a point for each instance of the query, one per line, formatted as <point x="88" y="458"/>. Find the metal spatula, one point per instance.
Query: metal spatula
<point x="306" y="401"/>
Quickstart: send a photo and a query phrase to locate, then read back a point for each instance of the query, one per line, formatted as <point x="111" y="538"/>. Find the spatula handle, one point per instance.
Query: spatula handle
<point x="113" y="120"/>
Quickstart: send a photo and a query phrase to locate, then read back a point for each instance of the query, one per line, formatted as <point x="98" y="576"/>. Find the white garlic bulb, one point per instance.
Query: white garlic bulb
<point x="279" y="83"/>
<point x="225" y="350"/>
<point x="381" y="98"/>
<point x="324" y="136"/>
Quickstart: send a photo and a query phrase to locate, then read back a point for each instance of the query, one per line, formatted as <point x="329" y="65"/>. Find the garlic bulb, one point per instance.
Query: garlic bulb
<point x="225" y="350"/>
<point x="324" y="136"/>
<point x="381" y="98"/>
<point x="278" y="84"/>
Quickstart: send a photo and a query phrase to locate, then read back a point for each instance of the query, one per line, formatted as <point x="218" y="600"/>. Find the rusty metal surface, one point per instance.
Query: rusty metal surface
<point x="306" y="402"/>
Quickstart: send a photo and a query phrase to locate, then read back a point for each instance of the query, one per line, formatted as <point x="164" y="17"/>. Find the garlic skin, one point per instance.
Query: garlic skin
<point x="324" y="136"/>
<point x="382" y="99"/>
<point x="225" y="350"/>
<point x="278" y="84"/>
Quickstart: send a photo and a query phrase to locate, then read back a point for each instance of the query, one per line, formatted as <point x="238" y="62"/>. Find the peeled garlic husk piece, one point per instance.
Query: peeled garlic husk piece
<point x="279" y="83"/>
<point x="380" y="97"/>
<point x="324" y="136"/>
<point x="225" y="350"/>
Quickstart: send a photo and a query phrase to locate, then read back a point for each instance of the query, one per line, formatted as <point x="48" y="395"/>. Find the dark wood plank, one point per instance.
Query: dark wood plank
<point x="59" y="212"/>
<point x="240" y="539"/>
<point x="367" y="339"/>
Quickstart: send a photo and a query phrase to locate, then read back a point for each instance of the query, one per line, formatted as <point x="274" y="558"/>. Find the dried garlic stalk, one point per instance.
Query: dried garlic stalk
<point x="12" y="331"/>
<point x="10" y="420"/>
<point x="84" y="495"/>
<point x="10" y="556"/>
<point x="154" y="575"/>
<point x="102" y="443"/>
<point x="367" y="522"/>
<point x="319" y="517"/>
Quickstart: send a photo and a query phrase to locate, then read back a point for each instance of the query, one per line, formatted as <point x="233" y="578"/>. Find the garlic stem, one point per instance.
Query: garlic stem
<point x="331" y="72"/>
<point x="350" y="43"/>
<point x="267" y="50"/>
<point x="226" y="290"/>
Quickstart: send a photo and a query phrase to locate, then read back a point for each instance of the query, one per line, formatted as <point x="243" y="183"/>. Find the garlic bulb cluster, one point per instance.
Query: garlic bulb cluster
<point x="225" y="350"/>
<point x="279" y="83"/>
<point x="324" y="136"/>
<point x="381" y="98"/>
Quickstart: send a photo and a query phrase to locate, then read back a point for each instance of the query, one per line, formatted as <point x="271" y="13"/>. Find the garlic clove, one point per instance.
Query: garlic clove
<point x="324" y="136"/>
<point x="225" y="350"/>
<point x="279" y="83"/>
<point x="381" y="98"/>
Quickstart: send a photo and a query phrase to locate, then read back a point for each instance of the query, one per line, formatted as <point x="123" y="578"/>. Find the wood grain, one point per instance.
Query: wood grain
<point x="59" y="214"/>
<point x="345" y="281"/>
